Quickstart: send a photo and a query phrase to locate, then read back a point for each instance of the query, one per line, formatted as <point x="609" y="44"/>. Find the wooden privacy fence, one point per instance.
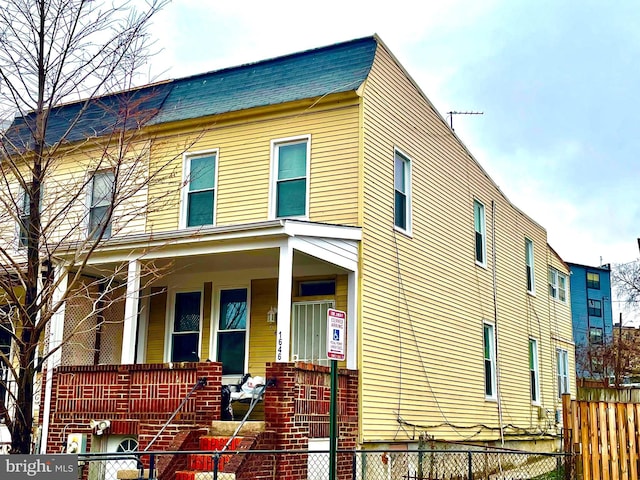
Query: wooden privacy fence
<point x="604" y="436"/>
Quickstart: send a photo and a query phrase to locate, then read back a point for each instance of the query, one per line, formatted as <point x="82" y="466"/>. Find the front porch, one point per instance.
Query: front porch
<point x="109" y="406"/>
<point x="219" y="303"/>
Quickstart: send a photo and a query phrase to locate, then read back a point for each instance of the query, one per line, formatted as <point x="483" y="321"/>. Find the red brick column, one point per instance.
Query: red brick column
<point x="297" y="409"/>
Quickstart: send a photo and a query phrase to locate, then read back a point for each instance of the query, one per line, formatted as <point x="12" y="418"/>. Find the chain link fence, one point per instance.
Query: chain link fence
<point x="314" y="465"/>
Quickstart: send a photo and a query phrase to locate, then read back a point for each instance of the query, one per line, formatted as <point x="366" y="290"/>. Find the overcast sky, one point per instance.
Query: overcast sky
<point x="557" y="82"/>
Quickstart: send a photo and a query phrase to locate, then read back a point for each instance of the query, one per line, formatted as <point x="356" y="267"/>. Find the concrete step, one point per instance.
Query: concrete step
<point x="226" y="428"/>
<point x="191" y="475"/>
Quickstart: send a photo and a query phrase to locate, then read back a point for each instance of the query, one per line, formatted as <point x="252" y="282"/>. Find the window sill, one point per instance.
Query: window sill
<point x="531" y="293"/>
<point x="406" y="233"/>
<point x="491" y="399"/>
<point x="482" y="265"/>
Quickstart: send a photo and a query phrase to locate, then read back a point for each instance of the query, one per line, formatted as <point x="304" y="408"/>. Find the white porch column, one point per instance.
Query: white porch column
<point x="56" y="332"/>
<point x="352" y="320"/>
<point x="131" y="313"/>
<point x="285" y="273"/>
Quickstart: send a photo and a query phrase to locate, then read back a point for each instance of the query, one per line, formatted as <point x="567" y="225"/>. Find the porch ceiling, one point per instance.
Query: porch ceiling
<point x="303" y="264"/>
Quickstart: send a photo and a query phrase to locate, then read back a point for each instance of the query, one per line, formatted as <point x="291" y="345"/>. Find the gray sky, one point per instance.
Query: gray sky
<point x="556" y="81"/>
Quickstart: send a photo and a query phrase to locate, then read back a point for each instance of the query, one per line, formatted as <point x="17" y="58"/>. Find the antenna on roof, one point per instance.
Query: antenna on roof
<point x="452" y="113"/>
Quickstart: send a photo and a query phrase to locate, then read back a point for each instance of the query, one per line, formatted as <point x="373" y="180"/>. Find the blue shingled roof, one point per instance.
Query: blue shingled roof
<point x="313" y="73"/>
<point x="310" y="74"/>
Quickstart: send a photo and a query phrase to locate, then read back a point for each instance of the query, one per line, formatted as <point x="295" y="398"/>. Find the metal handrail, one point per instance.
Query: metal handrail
<point x="201" y="383"/>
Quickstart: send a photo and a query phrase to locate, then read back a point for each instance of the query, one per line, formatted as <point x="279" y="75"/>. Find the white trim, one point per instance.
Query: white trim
<point x="409" y="193"/>
<point x="184" y="191"/>
<point x="483" y="226"/>
<point x="215" y="324"/>
<point x="56" y="332"/>
<point x="273" y="183"/>
<point x="283" y="323"/>
<point x="492" y="359"/>
<point x="170" y="317"/>
<point x="143" y="326"/>
<point x="250" y="236"/>
<point x="130" y="326"/>
<point x="352" y="320"/>
<point x="536" y="369"/>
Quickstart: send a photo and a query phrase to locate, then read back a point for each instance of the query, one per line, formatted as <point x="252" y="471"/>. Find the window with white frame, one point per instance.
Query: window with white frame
<point x="290" y="187"/>
<point x="101" y="203"/>
<point x="402" y="192"/>
<point x="185" y="337"/>
<point x="23" y="224"/>
<point x="489" y="361"/>
<point x="479" y="225"/>
<point x="534" y="374"/>
<point x="528" y="253"/>
<point x="198" y="201"/>
<point x="232" y="330"/>
<point x="563" y="371"/>
<point x="557" y="285"/>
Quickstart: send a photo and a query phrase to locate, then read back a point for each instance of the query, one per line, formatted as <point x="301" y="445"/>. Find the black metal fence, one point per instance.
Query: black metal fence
<point x="314" y="465"/>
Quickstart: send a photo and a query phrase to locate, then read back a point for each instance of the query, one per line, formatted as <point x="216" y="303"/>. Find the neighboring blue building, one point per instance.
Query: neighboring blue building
<point x="591" y="304"/>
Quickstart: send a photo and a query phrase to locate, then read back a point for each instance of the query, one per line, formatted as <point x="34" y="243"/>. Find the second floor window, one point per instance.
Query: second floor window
<point x="199" y="195"/>
<point x="24" y="219"/>
<point x="557" y="285"/>
<point x="102" y="192"/>
<point x="291" y="172"/>
<point x="402" y="192"/>
<point x="481" y="244"/>
<point x="528" y="253"/>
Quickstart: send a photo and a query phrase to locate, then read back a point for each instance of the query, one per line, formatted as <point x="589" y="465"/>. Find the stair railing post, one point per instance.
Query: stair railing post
<point x="216" y="460"/>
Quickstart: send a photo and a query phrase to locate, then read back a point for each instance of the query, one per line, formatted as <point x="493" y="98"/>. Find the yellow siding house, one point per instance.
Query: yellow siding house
<point x="327" y="179"/>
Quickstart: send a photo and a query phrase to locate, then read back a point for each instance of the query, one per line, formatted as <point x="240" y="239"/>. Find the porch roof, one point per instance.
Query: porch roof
<point x="212" y="239"/>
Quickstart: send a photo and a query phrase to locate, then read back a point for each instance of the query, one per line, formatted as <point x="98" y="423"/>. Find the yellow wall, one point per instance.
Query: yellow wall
<point x="244" y="160"/>
<point x="424" y="299"/>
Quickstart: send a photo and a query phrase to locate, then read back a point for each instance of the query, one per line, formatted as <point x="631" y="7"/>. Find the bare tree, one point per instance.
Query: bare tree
<point x="626" y="282"/>
<point x="52" y="52"/>
<point x="614" y="361"/>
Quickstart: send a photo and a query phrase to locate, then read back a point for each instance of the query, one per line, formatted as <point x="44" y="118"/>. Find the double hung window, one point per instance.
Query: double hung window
<point x="533" y="371"/>
<point x="528" y="252"/>
<point x="480" y="232"/>
<point x="291" y="174"/>
<point x="593" y="280"/>
<point x="402" y="192"/>
<point x="557" y="285"/>
<point x="200" y="186"/>
<point x="23" y="225"/>
<point x="489" y="361"/>
<point x="563" y="371"/>
<point x="101" y="204"/>
<point x="594" y="307"/>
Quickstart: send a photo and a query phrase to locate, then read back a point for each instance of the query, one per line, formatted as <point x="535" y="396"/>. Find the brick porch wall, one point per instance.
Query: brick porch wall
<point x="297" y="409"/>
<point x="137" y="399"/>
